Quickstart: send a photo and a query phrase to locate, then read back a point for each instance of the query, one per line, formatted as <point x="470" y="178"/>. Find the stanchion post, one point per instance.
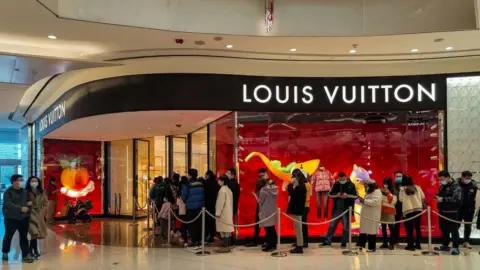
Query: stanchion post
<point x="148" y="216"/>
<point x="278" y="253"/>
<point x="350" y="251"/>
<point x="430" y="251"/>
<point x="169" y="228"/>
<point x="203" y="252"/>
<point x="134" y="212"/>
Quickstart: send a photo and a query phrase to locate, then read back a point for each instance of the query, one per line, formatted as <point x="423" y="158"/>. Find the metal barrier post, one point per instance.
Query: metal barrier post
<point x="350" y="251"/>
<point x="134" y="212"/>
<point x="203" y="252"/>
<point x="148" y="217"/>
<point x="278" y="253"/>
<point x="169" y="229"/>
<point x="430" y="251"/>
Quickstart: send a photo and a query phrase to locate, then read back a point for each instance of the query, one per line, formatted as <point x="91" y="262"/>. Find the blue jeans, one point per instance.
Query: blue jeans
<point x="333" y="227"/>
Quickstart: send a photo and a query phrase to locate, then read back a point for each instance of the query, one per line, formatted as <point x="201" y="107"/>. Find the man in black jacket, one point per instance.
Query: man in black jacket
<point x="234" y="186"/>
<point x="16" y="211"/>
<point x="344" y="195"/>
<point x="296" y="206"/>
<point x="467" y="209"/>
<point x="449" y="200"/>
<point x="211" y="189"/>
<point x="261" y="181"/>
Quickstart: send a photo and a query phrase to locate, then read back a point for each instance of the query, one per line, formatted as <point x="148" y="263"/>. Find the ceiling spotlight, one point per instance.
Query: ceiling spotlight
<point x="449" y="48"/>
<point x="149" y="128"/>
<point x="52" y="37"/>
<point x="414" y="50"/>
<point x="352" y="51"/>
<point x="293" y="50"/>
<point x="229" y="46"/>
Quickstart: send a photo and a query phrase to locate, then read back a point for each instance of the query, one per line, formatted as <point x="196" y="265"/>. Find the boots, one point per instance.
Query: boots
<point x="226" y="245"/>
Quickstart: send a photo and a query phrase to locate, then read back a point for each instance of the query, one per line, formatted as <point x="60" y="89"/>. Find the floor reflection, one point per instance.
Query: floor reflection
<point x="109" y="232"/>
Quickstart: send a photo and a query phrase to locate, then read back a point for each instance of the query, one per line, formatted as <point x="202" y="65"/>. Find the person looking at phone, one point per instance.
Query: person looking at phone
<point x="344" y="195"/>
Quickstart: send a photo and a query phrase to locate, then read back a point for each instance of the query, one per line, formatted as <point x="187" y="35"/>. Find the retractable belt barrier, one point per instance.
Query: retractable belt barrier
<point x="278" y="253"/>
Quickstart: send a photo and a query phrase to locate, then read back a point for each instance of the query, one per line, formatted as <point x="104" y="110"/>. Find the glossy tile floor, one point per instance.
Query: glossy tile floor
<point x="68" y="248"/>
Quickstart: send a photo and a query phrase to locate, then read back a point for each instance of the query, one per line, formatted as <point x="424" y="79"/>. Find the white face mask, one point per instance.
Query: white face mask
<point x="34" y="184"/>
<point x="467" y="181"/>
<point x="385" y="186"/>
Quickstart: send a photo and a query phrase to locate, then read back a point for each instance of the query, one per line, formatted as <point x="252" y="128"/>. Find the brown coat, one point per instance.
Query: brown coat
<point x="38" y="227"/>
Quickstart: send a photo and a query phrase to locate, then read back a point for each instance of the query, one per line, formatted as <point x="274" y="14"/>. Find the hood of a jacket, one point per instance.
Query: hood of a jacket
<point x="271" y="190"/>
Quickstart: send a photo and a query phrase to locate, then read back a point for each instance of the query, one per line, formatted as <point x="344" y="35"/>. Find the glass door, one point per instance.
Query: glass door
<point x="142" y="179"/>
<point x="180" y="155"/>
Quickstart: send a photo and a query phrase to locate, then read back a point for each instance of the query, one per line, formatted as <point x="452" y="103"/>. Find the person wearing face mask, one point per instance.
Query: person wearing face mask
<point x="344" y="195"/>
<point x="449" y="201"/>
<point x="224" y="213"/>
<point x="412" y="198"/>
<point x="467" y="210"/>
<point x="296" y="206"/>
<point x="16" y="212"/>
<point x="267" y="202"/>
<point x="234" y="186"/>
<point x="262" y="179"/>
<point x="211" y="189"/>
<point x="322" y="181"/>
<point x="370" y="213"/>
<point x="389" y="200"/>
<point x="37" y="227"/>
<point x="397" y="178"/>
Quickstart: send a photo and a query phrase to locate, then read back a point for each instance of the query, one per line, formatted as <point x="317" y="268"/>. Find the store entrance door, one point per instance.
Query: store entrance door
<point x="142" y="167"/>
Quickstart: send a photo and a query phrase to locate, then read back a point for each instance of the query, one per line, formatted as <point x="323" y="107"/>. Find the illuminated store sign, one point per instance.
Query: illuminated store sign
<point x="338" y="94"/>
<point x="57" y="113"/>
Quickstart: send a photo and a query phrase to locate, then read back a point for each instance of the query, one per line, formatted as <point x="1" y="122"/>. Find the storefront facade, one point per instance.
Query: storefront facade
<point x="366" y="127"/>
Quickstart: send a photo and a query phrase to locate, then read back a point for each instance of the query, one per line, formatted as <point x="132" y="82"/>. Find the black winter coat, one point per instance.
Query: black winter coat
<point x="298" y="196"/>
<point x="451" y="195"/>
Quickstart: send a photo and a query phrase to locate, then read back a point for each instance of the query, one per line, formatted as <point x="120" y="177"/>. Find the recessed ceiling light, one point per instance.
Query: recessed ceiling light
<point x="352" y="51"/>
<point x="229" y="46"/>
<point x="448" y="48"/>
<point x="149" y="128"/>
<point x="293" y="50"/>
<point x="414" y="50"/>
<point x="52" y="37"/>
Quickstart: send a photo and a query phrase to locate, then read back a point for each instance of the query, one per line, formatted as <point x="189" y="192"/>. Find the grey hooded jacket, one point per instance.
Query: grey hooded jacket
<point x="267" y="201"/>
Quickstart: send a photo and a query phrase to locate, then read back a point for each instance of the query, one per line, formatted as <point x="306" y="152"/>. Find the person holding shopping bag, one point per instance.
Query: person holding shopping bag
<point x="224" y="213"/>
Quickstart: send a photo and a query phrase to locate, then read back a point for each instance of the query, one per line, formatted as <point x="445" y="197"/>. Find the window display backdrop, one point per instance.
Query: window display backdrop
<point x="378" y="143"/>
<point x="77" y="167"/>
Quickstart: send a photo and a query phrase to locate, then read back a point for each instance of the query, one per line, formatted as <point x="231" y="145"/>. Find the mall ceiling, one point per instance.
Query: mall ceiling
<point x="27" y="32"/>
<point x="40" y="38"/>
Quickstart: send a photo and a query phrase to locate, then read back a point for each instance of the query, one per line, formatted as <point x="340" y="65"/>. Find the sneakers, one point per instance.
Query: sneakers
<point x="5" y="257"/>
<point x="36" y="256"/>
<point x="441" y="248"/>
<point x="467" y="245"/>
<point x="297" y="250"/>
<point x="370" y="250"/>
<point x="305" y="245"/>
<point x="455" y="251"/>
<point x="391" y="247"/>
<point x="325" y="244"/>
<point x="28" y="259"/>
<point x="251" y="244"/>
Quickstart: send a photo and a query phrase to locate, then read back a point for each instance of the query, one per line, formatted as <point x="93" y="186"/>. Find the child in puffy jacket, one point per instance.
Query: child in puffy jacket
<point x="389" y="201"/>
